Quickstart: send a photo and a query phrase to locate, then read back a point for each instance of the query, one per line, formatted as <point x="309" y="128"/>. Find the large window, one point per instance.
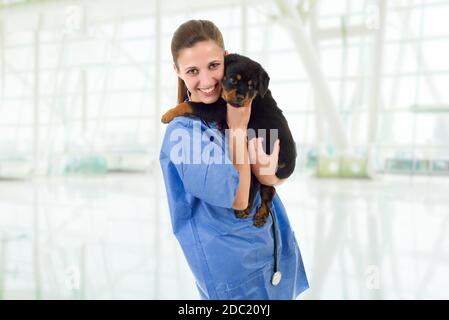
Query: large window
<point x="96" y="87"/>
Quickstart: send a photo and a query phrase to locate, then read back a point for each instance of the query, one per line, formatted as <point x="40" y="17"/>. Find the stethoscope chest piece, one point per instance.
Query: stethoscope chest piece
<point x="276" y="278"/>
<point x="277" y="275"/>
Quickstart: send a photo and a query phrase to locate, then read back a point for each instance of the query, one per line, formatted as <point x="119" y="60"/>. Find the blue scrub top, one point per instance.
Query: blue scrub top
<point x="229" y="257"/>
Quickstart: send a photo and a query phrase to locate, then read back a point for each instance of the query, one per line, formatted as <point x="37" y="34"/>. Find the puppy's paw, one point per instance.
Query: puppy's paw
<point x="242" y="214"/>
<point x="167" y="117"/>
<point x="261" y="217"/>
<point x="260" y="221"/>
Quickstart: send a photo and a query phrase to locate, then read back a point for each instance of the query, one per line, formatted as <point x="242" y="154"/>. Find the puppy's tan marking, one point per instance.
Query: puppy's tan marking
<point x="266" y="193"/>
<point x="248" y="99"/>
<point x="229" y="95"/>
<point x="180" y="110"/>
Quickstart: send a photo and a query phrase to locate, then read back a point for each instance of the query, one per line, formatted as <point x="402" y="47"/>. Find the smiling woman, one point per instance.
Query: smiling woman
<point x="229" y="257"/>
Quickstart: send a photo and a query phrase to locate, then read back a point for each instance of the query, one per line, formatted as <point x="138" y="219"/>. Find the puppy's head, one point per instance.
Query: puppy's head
<point x="243" y="80"/>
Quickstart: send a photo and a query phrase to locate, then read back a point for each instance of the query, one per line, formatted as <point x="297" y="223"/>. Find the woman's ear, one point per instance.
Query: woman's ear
<point x="175" y="68"/>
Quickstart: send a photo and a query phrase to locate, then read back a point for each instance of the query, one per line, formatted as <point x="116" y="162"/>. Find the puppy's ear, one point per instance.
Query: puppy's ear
<point x="230" y="58"/>
<point x="264" y="80"/>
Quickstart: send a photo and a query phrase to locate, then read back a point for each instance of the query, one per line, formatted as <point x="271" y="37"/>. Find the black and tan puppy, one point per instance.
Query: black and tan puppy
<point x="245" y="81"/>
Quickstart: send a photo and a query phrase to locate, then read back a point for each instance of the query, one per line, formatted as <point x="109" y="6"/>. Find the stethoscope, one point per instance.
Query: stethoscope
<point x="277" y="275"/>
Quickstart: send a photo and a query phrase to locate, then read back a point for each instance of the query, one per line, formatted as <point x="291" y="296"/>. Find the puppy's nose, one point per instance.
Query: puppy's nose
<point x="240" y="97"/>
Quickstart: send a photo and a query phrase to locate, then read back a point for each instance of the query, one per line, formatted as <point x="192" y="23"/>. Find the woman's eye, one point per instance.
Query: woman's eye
<point x="214" y="65"/>
<point x="192" y="71"/>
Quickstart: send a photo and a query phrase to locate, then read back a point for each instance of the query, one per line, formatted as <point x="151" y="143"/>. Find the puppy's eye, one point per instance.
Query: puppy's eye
<point x="232" y="81"/>
<point x="250" y="87"/>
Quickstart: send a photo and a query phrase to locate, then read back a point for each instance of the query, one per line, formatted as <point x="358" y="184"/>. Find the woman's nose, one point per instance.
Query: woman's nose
<point x="206" y="80"/>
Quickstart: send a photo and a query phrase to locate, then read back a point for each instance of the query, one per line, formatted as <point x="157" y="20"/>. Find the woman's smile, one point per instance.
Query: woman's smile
<point x="209" y="92"/>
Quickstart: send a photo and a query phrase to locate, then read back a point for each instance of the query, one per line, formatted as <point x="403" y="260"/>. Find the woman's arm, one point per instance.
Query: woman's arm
<point x="237" y="120"/>
<point x="240" y="159"/>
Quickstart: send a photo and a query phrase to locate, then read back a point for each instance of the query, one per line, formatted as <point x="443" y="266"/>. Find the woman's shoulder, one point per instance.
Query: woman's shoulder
<point x="191" y="122"/>
<point x="183" y="121"/>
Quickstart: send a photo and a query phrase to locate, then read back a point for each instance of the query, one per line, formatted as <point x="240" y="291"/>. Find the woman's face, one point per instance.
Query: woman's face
<point x="202" y="69"/>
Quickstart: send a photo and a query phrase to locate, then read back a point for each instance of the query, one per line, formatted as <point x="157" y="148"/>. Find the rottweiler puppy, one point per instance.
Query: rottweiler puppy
<point x="245" y="81"/>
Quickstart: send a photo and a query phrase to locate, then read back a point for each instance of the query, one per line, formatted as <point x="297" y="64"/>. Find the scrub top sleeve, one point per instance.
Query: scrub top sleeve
<point x="214" y="182"/>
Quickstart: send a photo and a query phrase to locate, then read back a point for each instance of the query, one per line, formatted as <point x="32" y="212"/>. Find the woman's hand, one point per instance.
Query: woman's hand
<point x="264" y="166"/>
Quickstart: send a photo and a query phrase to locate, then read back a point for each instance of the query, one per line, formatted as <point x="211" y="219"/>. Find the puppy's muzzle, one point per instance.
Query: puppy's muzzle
<point x="239" y="99"/>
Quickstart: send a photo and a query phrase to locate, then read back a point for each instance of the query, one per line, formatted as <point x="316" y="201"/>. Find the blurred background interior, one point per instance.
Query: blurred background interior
<point x="83" y="210"/>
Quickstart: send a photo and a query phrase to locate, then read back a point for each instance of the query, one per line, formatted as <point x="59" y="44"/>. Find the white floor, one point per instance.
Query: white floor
<point x="109" y="237"/>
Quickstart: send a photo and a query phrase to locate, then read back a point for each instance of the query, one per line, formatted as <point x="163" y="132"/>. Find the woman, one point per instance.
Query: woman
<point x="229" y="257"/>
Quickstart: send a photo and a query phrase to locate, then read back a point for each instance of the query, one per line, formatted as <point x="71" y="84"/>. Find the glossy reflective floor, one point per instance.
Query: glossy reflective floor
<point x="109" y="237"/>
